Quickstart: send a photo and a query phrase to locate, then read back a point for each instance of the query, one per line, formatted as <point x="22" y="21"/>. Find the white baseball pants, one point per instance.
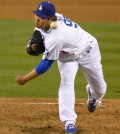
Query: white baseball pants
<point x="91" y="66"/>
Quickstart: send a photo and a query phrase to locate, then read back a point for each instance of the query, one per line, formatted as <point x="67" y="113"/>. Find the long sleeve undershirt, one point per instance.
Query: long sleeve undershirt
<point x="44" y="66"/>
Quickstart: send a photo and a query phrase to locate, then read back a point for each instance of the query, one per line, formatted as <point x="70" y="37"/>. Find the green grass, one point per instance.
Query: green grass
<point x="14" y="60"/>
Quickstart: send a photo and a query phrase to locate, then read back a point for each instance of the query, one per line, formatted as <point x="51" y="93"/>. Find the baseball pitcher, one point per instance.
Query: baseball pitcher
<point x="61" y="39"/>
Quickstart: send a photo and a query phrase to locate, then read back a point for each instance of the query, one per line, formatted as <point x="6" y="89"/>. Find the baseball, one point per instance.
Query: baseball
<point x="53" y="25"/>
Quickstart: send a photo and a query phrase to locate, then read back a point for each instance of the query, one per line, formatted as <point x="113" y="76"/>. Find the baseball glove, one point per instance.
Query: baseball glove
<point x="35" y="45"/>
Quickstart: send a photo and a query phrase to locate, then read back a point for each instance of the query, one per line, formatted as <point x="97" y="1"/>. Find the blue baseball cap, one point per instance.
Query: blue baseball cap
<point x="45" y="10"/>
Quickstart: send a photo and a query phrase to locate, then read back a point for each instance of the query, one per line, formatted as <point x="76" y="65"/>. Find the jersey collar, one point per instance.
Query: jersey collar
<point x="47" y="31"/>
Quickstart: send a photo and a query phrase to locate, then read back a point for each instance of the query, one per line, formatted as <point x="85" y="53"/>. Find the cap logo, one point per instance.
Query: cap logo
<point x="40" y="8"/>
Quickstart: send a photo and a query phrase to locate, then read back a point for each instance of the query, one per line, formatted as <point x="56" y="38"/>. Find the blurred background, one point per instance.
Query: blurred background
<point x="80" y="10"/>
<point x="101" y="18"/>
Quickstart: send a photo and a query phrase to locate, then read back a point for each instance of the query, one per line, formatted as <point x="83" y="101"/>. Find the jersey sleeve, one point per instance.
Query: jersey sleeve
<point x="53" y="49"/>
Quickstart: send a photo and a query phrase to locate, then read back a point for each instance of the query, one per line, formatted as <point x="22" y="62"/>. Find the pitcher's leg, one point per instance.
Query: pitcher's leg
<point x="96" y="87"/>
<point x="94" y="75"/>
<point x="66" y="91"/>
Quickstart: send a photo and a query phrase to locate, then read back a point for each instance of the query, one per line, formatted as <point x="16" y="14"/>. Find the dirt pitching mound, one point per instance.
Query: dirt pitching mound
<point x="40" y="116"/>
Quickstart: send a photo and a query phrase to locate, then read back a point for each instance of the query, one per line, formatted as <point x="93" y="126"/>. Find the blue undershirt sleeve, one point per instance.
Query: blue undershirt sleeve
<point x="44" y="66"/>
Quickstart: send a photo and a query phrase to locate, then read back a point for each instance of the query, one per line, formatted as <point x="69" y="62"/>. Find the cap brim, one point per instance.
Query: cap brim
<point x="38" y="13"/>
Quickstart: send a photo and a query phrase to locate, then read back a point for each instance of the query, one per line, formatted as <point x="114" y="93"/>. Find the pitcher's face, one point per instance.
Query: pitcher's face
<point x="43" y="24"/>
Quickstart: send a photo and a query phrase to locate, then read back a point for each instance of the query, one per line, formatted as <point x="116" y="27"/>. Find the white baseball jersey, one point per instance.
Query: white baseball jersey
<point x="66" y="42"/>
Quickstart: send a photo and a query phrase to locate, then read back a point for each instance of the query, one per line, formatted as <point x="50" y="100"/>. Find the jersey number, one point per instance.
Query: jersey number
<point x="70" y="23"/>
